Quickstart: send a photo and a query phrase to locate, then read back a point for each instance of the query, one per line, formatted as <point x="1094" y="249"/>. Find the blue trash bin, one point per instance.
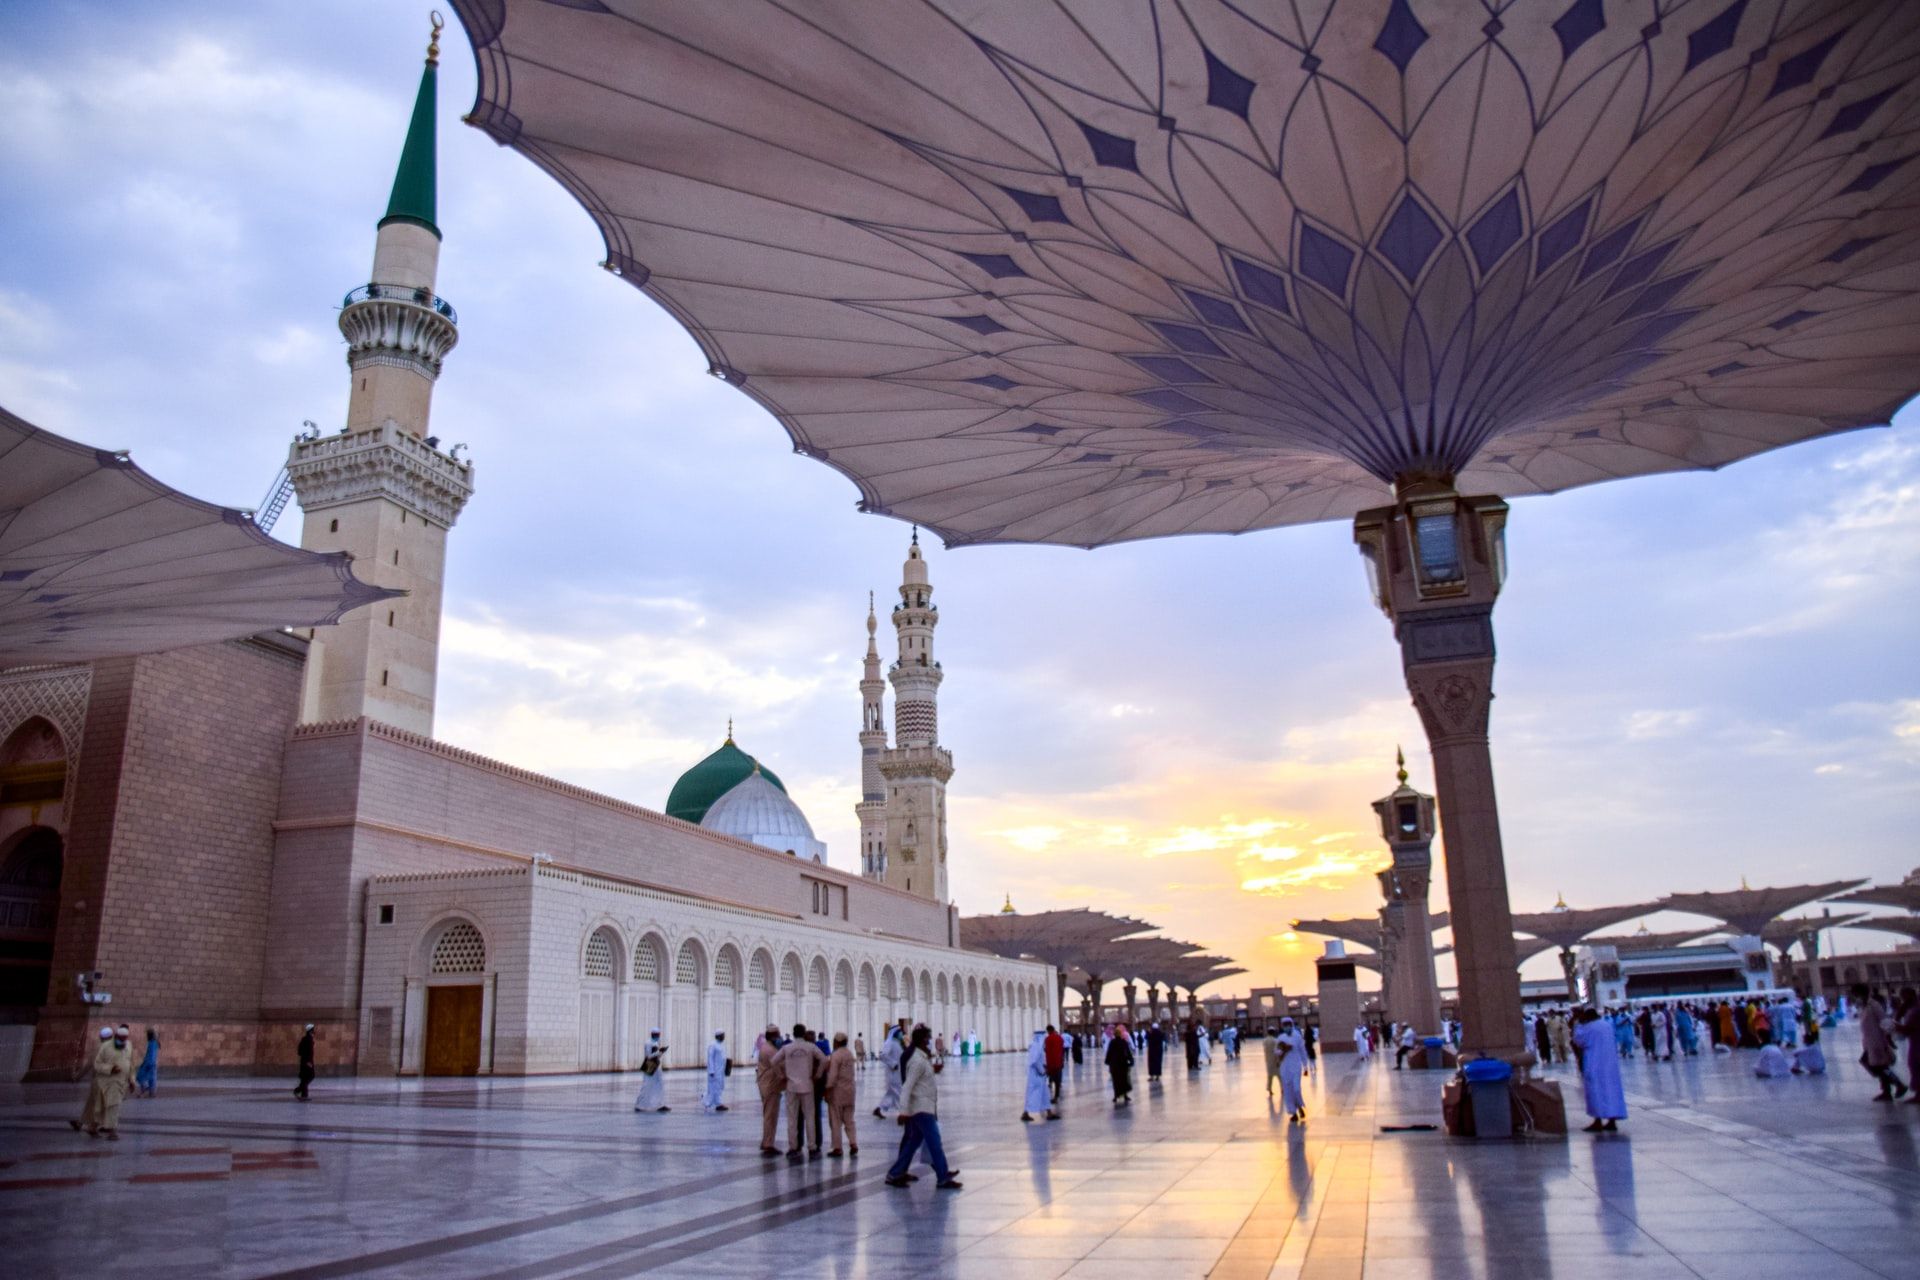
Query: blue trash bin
<point x="1490" y="1083"/>
<point x="1436" y="1057"/>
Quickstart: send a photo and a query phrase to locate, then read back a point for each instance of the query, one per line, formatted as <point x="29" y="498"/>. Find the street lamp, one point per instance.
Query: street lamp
<point x="1435" y="563"/>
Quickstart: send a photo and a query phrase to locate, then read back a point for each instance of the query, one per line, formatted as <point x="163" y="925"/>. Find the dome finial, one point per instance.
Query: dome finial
<point x="1006" y="908"/>
<point x="916" y="535"/>
<point x="729" y="728"/>
<point x="433" y="43"/>
<point x="1400" y="761"/>
<point x="1560" y="902"/>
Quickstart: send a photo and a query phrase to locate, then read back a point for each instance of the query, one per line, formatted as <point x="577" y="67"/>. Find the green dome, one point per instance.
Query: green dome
<point x="712" y="778"/>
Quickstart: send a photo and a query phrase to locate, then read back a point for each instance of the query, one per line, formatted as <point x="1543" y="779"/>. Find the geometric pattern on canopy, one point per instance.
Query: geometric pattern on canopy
<point x="1749" y="911"/>
<point x="98" y="559"/>
<point x="1081" y="273"/>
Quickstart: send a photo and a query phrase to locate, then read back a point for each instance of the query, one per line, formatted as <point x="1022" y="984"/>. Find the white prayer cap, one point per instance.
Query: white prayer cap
<point x="654" y="1032"/>
<point x="309" y="1026"/>
<point x="106" y="1033"/>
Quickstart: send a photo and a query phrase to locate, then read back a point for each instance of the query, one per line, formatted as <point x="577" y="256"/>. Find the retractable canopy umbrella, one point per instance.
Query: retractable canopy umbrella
<point x="1083" y="273"/>
<point x="98" y="559"/>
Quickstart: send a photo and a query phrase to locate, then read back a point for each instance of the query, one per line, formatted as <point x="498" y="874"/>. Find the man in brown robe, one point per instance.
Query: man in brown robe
<point x="772" y="1083"/>
<point x="112" y="1074"/>
<point x="840" y="1096"/>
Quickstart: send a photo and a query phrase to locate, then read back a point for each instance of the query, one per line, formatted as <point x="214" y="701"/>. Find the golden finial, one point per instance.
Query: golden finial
<point x="729" y="729"/>
<point x="1006" y="908"/>
<point x="1560" y="902"/>
<point x="1743" y="885"/>
<point x="1400" y="759"/>
<point x="433" y="45"/>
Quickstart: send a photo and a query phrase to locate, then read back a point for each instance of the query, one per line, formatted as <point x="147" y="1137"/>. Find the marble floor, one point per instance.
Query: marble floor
<point x="1716" y="1175"/>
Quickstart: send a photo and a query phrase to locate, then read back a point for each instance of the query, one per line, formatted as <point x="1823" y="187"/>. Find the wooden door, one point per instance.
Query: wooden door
<point x="453" y="1030"/>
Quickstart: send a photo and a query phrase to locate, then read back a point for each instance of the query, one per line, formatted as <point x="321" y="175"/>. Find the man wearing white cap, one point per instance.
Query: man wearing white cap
<point x="718" y="1067"/>
<point x="653" y="1076"/>
<point x="112" y="1069"/>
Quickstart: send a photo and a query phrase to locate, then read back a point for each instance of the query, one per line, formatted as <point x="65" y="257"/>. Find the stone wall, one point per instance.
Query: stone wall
<point x="536" y="922"/>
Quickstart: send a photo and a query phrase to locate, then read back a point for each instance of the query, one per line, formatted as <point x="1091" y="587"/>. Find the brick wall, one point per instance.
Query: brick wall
<point x="165" y="887"/>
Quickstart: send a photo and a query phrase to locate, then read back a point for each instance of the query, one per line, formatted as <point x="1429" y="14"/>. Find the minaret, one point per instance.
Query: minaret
<point x="381" y="490"/>
<point x="918" y="767"/>
<point x="1407" y="825"/>
<point x="872" y="808"/>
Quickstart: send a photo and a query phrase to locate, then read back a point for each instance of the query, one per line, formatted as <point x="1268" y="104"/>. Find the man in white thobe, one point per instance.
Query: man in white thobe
<point x="1600" y="1072"/>
<point x="1039" y="1100"/>
<point x="890" y="1060"/>
<point x="1292" y="1048"/>
<point x="717" y="1065"/>
<point x="653" y="1076"/>
<point x="1206" y="1044"/>
<point x="1362" y="1044"/>
<point x="1230" y="1041"/>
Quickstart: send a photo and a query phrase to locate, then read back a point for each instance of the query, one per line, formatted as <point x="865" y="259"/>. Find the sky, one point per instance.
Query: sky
<point x="1702" y="677"/>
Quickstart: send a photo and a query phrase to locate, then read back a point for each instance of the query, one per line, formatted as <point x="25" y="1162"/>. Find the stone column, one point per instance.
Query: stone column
<point x="1454" y="696"/>
<point x="1133" y="1002"/>
<point x="1573" y="982"/>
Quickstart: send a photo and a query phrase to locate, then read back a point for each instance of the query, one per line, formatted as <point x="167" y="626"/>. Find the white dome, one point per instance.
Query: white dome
<point x="755" y="810"/>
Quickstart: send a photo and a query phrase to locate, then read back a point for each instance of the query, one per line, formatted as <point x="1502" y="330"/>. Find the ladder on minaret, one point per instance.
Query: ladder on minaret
<point x="280" y="492"/>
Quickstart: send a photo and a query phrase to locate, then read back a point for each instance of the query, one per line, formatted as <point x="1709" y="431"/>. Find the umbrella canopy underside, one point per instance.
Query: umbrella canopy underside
<point x="1087" y="272"/>
<point x="98" y="559"/>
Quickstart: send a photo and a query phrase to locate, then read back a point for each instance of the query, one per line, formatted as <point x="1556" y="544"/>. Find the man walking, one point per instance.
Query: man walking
<point x="840" y="1093"/>
<point x="719" y="1067"/>
<point x="920" y="1105"/>
<point x="890" y="1054"/>
<point x="801" y="1063"/>
<point x="1156" y="1050"/>
<point x="306" y="1064"/>
<point x="771" y="1082"/>
<point x="112" y="1067"/>
<point x="1056" y="1057"/>
<point x="1876" y="1043"/>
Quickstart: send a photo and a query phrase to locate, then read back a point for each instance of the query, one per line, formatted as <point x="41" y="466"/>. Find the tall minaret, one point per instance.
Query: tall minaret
<point x="381" y="490"/>
<point x="918" y="767"/>
<point x="872" y="808"/>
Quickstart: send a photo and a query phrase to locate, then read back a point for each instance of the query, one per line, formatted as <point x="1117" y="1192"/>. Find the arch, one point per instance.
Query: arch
<point x="973" y="991"/>
<point x="603" y="963"/>
<point x="926" y="988"/>
<point x="940" y="989"/>
<point x="726" y="968"/>
<point x="690" y="965"/>
<point x="889" y="983"/>
<point x="843" y="979"/>
<point x="864" y="989"/>
<point x="792" y="977"/>
<point x="760" y="971"/>
<point x="458" y="949"/>
<point x="817" y="977"/>
<point x="650" y="958"/>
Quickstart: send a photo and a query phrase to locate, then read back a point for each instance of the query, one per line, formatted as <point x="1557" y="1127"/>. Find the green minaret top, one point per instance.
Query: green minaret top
<point x="413" y="186"/>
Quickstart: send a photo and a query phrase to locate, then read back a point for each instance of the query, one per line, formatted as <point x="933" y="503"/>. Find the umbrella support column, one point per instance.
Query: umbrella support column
<point x="1437" y="560"/>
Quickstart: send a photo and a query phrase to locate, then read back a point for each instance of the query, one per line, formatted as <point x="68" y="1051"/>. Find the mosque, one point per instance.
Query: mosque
<point x="230" y="841"/>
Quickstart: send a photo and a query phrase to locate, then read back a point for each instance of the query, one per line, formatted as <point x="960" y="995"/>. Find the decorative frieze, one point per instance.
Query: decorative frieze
<point x="386" y="324"/>
<point x="385" y="462"/>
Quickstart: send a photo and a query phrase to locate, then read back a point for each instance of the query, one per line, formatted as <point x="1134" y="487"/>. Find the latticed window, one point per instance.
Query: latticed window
<point x="687" y="968"/>
<point x="819" y="978"/>
<point x="725" y="972"/>
<point x="843" y="981"/>
<point x="866" y="984"/>
<point x="889" y="985"/>
<point x="646" y="962"/>
<point x="790" y="975"/>
<point x="760" y="975"/>
<point x="459" y="950"/>
<point x="599" y="956"/>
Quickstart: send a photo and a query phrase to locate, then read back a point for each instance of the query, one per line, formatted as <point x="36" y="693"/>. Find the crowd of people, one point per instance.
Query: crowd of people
<point x="816" y="1075"/>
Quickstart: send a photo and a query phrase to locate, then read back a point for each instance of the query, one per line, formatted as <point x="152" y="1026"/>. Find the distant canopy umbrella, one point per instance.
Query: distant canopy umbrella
<point x="98" y="559"/>
<point x="1025" y="273"/>
<point x="1750" y="911"/>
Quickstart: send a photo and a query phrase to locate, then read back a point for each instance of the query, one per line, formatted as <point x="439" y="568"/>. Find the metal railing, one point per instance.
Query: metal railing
<point x="419" y="297"/>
